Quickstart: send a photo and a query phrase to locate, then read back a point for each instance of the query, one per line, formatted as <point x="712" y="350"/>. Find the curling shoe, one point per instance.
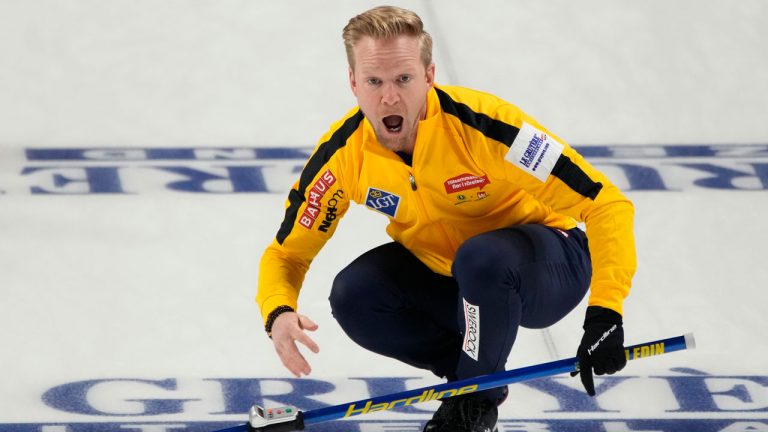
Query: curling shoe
<point x="466" y="413"/>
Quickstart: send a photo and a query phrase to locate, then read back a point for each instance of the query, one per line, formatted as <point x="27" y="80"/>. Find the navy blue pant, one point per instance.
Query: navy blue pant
<point x="458" y="327"/>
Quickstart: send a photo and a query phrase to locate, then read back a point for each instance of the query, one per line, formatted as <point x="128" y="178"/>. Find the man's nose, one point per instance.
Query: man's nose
<point x="389" y="95"/>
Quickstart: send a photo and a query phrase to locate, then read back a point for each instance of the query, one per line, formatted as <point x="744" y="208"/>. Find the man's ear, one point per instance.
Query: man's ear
<point x="352" y="82"/>
<point x="430" y="76"/>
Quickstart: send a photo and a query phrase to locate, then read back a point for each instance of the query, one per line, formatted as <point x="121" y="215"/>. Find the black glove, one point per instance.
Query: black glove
<point x="602" y="347"/>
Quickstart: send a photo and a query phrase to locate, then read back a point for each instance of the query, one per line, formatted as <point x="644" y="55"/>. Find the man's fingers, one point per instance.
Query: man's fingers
<point x="308" y="342"/>
<point x="306" y="323"/>
<point x="585" y="373"/>
<point x="297" y="367"/>
<point x="293" y="360"/>
<point x="622" y="362"/>
<point x="588" y="381"/>
<point x="288" y="329"/>
<point x="611" y="366"/>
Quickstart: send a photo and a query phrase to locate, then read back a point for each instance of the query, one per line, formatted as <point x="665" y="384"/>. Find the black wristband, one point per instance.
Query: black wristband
<point x="276" y="312"/>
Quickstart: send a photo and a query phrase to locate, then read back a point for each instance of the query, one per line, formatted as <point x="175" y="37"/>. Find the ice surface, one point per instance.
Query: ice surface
<point x="134" y="307"/>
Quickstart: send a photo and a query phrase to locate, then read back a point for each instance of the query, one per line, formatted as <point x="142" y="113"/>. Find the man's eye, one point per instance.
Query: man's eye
<point x="374" y="81"/>
<point x="405" y="78"/>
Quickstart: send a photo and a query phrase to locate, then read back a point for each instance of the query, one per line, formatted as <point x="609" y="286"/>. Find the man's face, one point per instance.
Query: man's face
<point x="391" y="83"/>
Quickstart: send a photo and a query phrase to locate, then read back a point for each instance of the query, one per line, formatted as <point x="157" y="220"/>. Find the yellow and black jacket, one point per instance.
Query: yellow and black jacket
<point x="479" y="164"/>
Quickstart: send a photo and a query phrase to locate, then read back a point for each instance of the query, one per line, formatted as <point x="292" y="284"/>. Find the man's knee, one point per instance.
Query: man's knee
<point x="491" y="255"/>
<point x="344" y="292"/>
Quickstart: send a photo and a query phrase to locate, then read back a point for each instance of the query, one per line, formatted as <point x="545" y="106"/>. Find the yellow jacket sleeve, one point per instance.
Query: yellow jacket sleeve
<point x="315" y="204"/>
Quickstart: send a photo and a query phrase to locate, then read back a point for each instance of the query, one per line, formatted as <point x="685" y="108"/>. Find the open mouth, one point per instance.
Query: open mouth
<point x="393" y="123"/>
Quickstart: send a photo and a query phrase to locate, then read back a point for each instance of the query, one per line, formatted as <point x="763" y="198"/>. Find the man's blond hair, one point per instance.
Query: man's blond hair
<point x="386" y="22"/>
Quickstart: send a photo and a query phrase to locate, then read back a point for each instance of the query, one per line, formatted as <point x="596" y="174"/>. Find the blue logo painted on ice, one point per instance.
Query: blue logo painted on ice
<point x="136" y="171"/>
<point x="680" y="401"/>
<point x="382" y="201"/>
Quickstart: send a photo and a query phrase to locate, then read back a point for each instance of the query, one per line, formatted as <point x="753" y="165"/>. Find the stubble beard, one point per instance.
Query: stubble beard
<point x="402" y="142"/>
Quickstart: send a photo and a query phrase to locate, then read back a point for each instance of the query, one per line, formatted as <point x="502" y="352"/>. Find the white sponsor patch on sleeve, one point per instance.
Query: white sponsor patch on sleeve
<point x="534" y="152"/>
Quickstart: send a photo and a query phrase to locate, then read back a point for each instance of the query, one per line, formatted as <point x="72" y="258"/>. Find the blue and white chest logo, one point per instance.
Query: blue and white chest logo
<point x="534" y="152"/>
<point x="382" y="201"/>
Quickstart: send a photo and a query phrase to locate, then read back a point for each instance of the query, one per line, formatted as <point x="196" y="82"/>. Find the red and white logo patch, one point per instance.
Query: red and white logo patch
<point x="316" y="193"/>
<point x="465" y="181"/>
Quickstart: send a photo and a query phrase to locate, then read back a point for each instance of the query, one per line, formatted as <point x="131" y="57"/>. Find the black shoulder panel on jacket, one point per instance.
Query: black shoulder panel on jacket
<point x="492" y="128"/>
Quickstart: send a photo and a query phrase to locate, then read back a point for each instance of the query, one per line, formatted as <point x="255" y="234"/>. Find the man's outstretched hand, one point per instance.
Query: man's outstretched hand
<point x="289" y="328"/>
